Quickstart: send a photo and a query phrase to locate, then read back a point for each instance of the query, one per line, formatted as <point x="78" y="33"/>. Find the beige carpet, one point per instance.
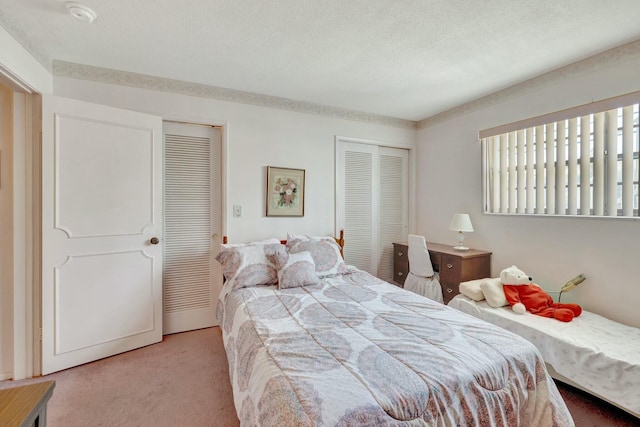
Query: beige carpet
<point x="184" y="381"/>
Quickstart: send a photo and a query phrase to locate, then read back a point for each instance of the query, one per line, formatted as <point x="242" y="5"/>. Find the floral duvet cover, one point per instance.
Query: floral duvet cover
<point x="357" y="351"/>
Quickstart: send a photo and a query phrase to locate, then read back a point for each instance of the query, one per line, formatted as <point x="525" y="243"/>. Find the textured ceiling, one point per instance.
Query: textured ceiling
<point x="406" y="59"/>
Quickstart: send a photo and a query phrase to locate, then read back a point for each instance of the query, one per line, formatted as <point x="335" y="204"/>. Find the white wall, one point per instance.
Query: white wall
<point x="257" y="137"/>
<point x="551" y="250"/>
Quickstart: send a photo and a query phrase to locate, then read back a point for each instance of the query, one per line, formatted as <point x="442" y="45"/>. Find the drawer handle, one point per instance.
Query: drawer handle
<point x="399" y="253"/>
<point x="400" y="273"/>
<point x="449" y="290"/>
<point x="449" y="265"/>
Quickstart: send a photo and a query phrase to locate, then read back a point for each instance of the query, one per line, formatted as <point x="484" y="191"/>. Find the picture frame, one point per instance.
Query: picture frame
<point x="285" y="191"/>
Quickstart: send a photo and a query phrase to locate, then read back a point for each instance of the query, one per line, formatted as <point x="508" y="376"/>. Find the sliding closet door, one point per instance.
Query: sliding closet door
<point x="192" y="226"/>
<point x="372" y="203"/>
<point x="357" y="198"/>
<point x="393" y="209"/>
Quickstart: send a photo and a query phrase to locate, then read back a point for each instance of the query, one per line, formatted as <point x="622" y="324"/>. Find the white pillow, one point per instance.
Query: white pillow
<point x="324" y="251"/>
<point x="271" y="241"/>
<point x="298" y="270"/>
<point x="471" y="289"/>
<point x="296" y="238"/>
<point x="493" y="292"/>
<point x="247" y="266"/>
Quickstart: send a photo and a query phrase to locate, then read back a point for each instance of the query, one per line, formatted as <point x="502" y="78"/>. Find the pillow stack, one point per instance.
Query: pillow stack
<point x="485" y="289"/>
<point x="249" y="264"/>
<point x="324" y="250"/>
<point x="302" y="262"/>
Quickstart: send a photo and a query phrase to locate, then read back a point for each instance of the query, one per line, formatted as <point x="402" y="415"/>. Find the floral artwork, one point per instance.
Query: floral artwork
<point x="287" y="189"/>
<point x="285" y="192"/>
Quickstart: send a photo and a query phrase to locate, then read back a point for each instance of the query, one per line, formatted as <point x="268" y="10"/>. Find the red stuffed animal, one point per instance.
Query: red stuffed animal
<point x="523" y="295"/>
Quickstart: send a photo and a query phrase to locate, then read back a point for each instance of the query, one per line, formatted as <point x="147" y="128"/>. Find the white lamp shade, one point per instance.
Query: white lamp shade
<point x="461" y="222"/>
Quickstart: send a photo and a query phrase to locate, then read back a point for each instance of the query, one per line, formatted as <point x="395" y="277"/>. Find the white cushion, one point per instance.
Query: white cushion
<point x="472" y="289"/>
<point x="324" y="251"/>
<point x="493" y="292"/>
<point x="298" y="270"/>
<point x="271" y="241"/>
<point x="247" y="266"/>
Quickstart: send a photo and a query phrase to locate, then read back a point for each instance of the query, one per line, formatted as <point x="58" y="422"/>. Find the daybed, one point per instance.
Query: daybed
<point x="352" y="350"/>
<point x="590" y="352"/>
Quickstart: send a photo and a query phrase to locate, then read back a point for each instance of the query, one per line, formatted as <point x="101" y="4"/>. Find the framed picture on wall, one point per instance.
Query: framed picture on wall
<point x="285" y="191"/>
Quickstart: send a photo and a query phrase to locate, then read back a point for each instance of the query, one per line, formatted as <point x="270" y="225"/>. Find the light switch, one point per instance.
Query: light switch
<point x="237" y="211"/>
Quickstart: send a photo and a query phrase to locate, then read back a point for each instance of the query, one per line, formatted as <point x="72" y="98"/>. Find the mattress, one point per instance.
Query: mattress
<point x="591" y="352"/>
<point x="356" y="351"/>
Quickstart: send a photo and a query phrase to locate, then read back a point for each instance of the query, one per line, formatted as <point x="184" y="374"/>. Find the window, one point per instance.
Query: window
<point x="581" y="161"/>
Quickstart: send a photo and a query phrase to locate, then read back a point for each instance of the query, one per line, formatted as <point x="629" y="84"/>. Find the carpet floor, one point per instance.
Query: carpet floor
<point x="184" y="381"/>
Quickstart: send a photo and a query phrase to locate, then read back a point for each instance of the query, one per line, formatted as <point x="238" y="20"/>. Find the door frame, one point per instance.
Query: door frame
<point x="215" y="276"/>
<point x="24" y="160"/>
<point x="26" y="339"/>
<point x="223" y="126"/>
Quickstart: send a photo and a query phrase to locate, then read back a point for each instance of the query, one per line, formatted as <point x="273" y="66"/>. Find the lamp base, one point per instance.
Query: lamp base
<point x="461" y="248"/>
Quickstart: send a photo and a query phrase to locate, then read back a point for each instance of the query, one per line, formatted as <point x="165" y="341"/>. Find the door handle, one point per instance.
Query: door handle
<point x="154" y="241"/>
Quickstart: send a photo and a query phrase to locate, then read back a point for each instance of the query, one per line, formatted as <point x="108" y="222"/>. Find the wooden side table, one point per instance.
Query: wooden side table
<point x="454" y="266"/>
<point x="25" y="406"/>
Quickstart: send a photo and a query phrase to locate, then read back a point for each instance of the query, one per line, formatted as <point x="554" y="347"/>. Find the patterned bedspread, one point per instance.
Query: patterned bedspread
<point x="357" y="351"/>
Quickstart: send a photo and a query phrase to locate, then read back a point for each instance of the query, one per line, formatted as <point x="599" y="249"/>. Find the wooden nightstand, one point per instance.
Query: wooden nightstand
<point x="454" y="266"/>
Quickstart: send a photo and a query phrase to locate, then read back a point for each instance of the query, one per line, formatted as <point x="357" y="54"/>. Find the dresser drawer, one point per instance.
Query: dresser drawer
<point x="449" y="291"/>
<point x="400" y="263"/>
<point x="450" y="270"/>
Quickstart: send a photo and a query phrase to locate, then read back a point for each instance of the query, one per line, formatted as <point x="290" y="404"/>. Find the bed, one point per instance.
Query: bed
<point x="591" y="352"/>
<point x="351" y="350"/>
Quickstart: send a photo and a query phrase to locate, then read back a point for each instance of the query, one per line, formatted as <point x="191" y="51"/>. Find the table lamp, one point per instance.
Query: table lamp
<point x="461" y="223"/>
<point x="571" y="284"/>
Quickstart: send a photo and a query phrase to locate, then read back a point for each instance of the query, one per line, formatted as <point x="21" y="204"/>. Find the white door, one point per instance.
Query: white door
<point x="191" y="278"/>
<point x="372" y="203"/>
<point x="357" y="198"/>
<point x="393" y="187"/>
<point x="101" y="225"/>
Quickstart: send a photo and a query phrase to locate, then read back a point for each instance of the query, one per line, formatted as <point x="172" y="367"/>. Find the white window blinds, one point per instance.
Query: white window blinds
<point x="582" y="161"/>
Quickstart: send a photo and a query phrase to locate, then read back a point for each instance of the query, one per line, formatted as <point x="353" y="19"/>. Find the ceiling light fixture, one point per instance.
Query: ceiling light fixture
<point x="82" y="12"/>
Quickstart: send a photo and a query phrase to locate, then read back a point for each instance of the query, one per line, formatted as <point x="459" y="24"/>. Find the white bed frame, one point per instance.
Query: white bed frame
<point x="483" y="311"/>
<point x="556" y="375"/>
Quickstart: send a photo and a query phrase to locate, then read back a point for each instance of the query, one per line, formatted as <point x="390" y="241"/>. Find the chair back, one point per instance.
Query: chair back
<point x="419" y="260"/>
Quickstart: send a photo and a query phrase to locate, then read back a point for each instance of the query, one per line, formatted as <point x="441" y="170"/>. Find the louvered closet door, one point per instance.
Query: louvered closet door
<point x="394" y="212"/>
<point x="192" y="226"/>
<point x="372" y="203"/>
<point x="357" y="168"/>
